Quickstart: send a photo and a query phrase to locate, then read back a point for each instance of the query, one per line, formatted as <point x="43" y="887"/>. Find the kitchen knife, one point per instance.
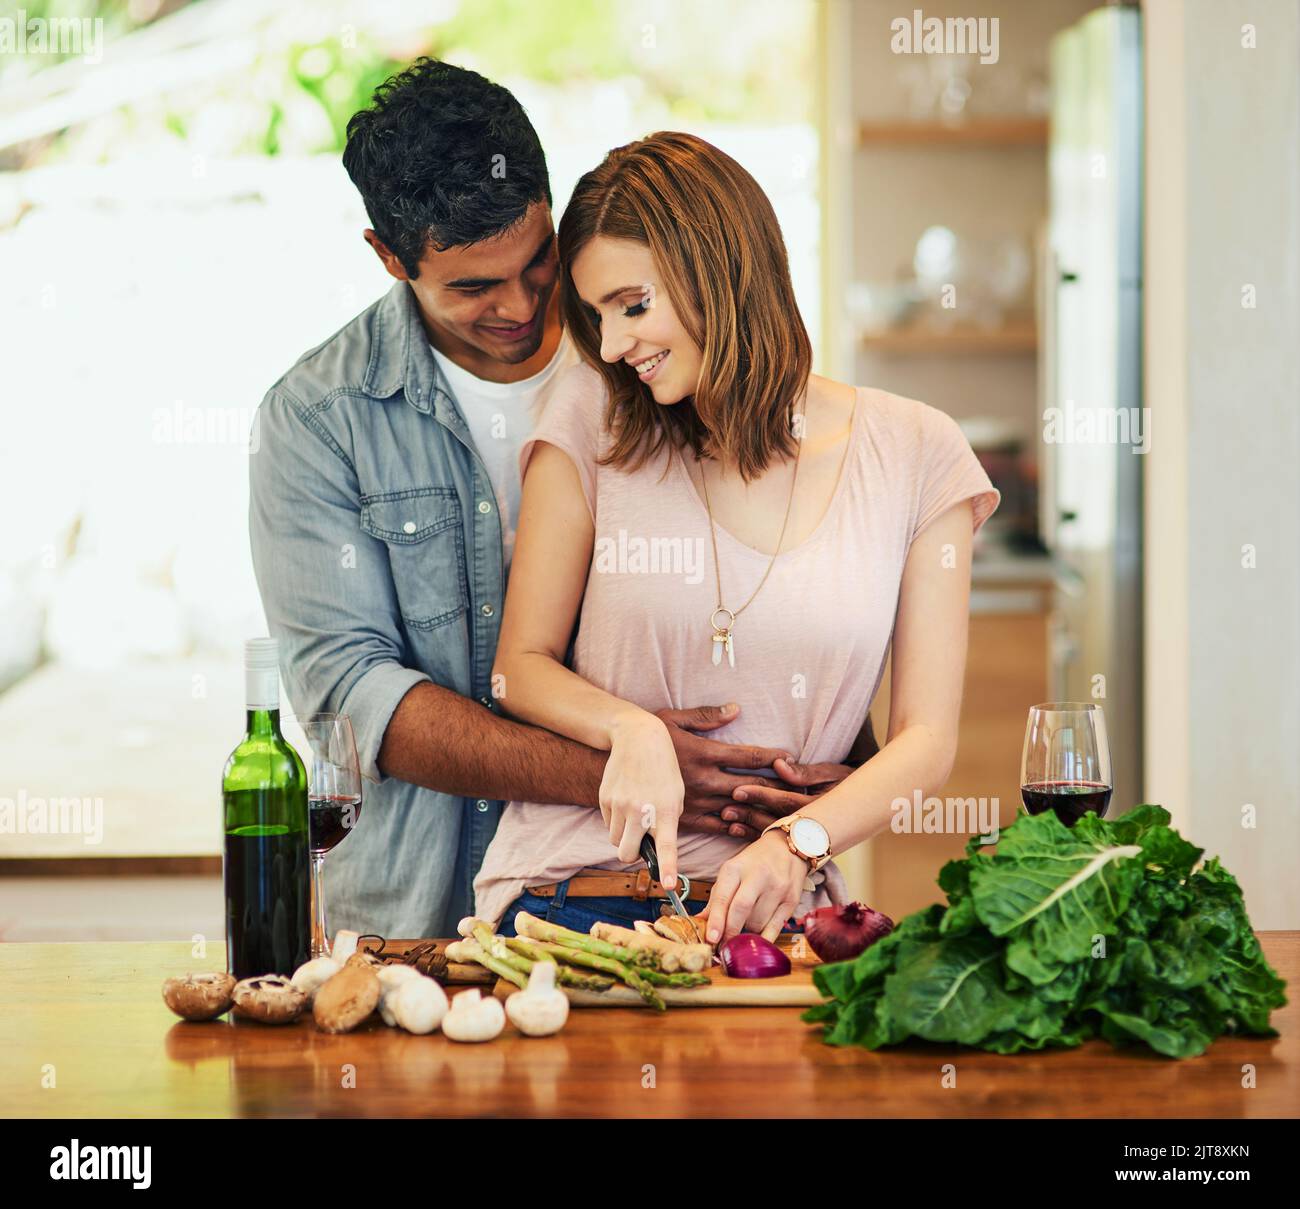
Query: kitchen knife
<point x="650" y="854"/>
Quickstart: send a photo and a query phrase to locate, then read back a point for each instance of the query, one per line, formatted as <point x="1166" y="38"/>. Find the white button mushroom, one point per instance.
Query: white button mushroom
<point x="390" y="978"/>
<point x="312" y="975"/>
<point x="418" y="1005"/>
<point x="542" y="1008"/>
<point x="345" y="944"/>
<point x="473" y="1018"/>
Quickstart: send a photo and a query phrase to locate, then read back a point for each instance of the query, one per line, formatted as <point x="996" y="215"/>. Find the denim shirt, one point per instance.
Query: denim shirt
<point x="377" y="547"/>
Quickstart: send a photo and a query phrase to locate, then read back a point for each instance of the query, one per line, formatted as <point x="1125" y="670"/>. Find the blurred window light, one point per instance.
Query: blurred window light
<point x="176" y="229"/>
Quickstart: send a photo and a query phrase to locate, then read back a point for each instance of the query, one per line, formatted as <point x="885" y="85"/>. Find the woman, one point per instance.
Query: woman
<point x="730" y="527"/>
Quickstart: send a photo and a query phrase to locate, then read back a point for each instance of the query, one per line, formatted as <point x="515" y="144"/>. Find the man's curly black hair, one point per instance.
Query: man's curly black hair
<point x="424" y="158"/>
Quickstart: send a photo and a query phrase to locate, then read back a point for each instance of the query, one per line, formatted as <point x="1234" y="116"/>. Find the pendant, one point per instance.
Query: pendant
<point x="722" y="639"/>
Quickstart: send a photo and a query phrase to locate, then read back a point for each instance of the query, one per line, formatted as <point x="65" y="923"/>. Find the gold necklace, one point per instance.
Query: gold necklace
<point x="722" y="634"/>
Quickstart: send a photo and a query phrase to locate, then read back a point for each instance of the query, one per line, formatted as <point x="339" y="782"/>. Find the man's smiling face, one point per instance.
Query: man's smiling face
<point x="488" y="302"/>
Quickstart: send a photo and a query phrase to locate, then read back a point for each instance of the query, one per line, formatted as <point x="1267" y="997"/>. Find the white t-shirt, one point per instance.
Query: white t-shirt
<point x="501" y="417"/>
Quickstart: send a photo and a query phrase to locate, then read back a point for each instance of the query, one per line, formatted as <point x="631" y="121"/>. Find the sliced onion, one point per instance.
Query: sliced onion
<point x="748" y="955"/>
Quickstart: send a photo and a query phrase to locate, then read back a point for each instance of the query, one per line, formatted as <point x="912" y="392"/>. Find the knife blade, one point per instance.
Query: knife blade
<point x="650" y="854"/>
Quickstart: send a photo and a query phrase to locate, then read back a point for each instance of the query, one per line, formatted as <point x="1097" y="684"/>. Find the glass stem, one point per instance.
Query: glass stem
<point x="320" y="937"/>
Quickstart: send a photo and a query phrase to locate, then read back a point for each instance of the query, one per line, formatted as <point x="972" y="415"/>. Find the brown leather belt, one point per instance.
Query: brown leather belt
<point x="639" y="885"/>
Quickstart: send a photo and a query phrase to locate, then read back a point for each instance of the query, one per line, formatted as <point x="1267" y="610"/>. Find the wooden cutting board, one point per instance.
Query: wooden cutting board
<point x="794" y="989"/>
<point x="790" y="990"/>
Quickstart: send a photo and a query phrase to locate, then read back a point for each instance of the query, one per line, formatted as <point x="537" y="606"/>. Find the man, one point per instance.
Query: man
<point x="384" y="489"/>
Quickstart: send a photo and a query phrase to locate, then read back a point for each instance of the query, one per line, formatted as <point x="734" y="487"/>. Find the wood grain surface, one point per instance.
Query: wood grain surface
<point x="794" y="989"/>
<point x="84" y="1032"/>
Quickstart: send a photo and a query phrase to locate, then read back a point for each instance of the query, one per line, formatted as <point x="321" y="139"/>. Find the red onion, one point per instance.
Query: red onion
<point x="748" y="955"/>
<point x="838" y="933"/>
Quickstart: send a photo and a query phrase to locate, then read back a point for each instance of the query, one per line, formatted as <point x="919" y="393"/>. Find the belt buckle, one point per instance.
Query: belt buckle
<point x="683" y="891"/>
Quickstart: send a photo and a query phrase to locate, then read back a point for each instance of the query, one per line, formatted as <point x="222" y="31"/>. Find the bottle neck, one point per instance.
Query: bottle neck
<point x="262" y="697"/>
<point x="263" y="723"/>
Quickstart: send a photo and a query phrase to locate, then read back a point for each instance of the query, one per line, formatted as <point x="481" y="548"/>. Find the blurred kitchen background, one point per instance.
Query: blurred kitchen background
<point x="1100" y="215"/>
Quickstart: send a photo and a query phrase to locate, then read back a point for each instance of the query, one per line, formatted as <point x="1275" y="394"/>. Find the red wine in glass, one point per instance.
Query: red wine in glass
<point x="1070" y="800"/>
<point x="1065" y="763"/>
<point x="331" y="819"/>
<point x="333" y="804"/>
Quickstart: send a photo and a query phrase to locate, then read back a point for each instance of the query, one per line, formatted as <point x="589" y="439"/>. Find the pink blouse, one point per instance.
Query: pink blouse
<point x="809" y="650"/>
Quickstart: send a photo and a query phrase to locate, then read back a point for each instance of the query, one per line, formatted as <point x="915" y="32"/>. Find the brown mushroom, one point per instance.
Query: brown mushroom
<point x="199" y="996"/>
<point x="347" y="998"/>
<point x="269" y="998"/>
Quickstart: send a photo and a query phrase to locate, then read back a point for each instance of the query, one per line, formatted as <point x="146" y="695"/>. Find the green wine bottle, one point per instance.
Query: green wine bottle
<point x="267" y="871"/>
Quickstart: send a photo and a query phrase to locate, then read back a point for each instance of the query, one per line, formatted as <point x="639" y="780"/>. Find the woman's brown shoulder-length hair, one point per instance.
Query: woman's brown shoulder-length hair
<point x="716" y="240"/>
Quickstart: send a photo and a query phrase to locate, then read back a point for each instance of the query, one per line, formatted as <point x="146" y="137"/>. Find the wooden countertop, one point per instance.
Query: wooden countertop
<point x="90" y="1019"/>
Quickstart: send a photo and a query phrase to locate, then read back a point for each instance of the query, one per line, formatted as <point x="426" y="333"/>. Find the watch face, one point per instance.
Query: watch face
<point x="810" y="837"/>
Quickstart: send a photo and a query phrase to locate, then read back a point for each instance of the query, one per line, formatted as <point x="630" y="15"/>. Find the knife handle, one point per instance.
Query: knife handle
<point x="650" y="854"/>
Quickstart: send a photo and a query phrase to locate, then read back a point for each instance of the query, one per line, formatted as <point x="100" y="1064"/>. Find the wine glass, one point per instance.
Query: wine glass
<point x="333" y="803"/>
<point x="1065" y="764"/>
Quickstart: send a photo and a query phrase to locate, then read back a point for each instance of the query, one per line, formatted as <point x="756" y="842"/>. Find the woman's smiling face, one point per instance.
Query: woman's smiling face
<point x="621" y="286"/>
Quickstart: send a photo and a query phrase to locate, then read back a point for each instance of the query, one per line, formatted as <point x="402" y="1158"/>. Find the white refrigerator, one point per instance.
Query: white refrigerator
<point x="1090" y="378"/>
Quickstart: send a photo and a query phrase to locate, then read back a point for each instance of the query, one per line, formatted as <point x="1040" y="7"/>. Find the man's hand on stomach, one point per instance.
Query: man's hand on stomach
<point x="704" y="765"/>
<point x="761" y="802"/>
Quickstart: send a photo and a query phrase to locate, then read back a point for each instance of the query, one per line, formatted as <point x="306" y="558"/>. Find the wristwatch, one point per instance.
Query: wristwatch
<point x="806" y="837"/>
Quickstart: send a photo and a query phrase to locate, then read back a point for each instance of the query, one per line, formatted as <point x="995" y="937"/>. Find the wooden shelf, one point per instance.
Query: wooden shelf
<point x="1013" y="340"/>
<point x="987" y="132"/>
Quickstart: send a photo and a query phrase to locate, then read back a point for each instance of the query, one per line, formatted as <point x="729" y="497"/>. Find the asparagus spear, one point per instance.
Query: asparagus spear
<point x="492" y="944"/>
<point x="672" y="954"/>
<point x="496" y="945"/>
<point x="500" y="957"/>
<point x="529" y="950"/>
<point x="538" y="929"/>
<point x="471" y="950"/>
<point x="597" y="961"/>
<point x="533" y="949"/>
<point x="659" y="979"/>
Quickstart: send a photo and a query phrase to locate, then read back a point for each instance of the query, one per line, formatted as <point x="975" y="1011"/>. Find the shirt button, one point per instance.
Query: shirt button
<point x="409" y="527"/>
<point x="481" y="806"/>
<point x="487" y="610"/>
<point x="484" y="507"/>
<point x="486" y="701"/>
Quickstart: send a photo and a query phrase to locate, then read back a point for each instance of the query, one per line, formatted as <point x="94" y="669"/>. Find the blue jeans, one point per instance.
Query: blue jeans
<point x="578" y="914"/>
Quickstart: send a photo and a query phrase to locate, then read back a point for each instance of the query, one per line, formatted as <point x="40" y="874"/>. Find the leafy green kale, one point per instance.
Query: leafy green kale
<point x="1106" y="929"/>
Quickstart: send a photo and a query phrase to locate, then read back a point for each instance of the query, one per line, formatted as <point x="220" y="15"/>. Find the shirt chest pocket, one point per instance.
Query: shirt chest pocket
<point x="423" y="531"/>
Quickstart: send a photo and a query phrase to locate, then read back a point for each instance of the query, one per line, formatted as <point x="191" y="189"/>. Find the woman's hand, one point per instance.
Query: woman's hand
<point x="756" y="890"/>
<point x="642" y="790"/>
